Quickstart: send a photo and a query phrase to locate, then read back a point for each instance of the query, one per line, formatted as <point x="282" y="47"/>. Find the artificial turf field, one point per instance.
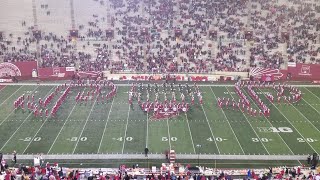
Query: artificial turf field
<point x="117" y="127"/>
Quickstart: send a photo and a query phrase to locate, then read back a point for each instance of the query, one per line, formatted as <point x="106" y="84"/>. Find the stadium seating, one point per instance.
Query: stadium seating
<point x="162" y="35"/>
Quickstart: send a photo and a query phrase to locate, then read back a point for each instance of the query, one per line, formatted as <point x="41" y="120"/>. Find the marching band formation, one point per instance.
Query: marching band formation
<point x="95" y="93"/>
<point x="168" y="107"/>
<point x="244" y="104"/>
<point x="41" y="109"/>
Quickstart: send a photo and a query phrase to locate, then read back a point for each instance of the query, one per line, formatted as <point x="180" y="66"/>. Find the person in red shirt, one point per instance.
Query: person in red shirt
<point x="298" y="171"/>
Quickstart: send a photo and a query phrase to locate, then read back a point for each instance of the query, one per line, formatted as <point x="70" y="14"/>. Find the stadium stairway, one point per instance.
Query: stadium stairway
<point x="172" y="156"/>
<point x="13" y="13"/>
<point x="59" y="19"/>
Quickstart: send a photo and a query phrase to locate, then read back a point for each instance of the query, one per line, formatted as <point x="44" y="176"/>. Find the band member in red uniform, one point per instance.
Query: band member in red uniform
<point x="35" y="112"/>
<point x="47" y="113"/>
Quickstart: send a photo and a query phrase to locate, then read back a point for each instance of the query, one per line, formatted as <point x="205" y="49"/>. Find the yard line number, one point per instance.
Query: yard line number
<point x="310" y="140"/>
<point x="171" y="139"/>
<point x="121" y="138"/>
<point x="27" y="139"/>
<point x="218" y="139"/>
<point x="76" y="139"/>
<point x="261" y="139"/>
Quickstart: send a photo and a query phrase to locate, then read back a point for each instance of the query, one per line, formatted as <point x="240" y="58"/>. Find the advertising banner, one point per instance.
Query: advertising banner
<point x="264" y="73"/>
<point x="18" y="69"/>
<point x="304" y="72"/>
<point x="267" y="78"/>
<point x="85" y="74"/>
<point x="55" y="73"/>
<point x="297" y="72"/>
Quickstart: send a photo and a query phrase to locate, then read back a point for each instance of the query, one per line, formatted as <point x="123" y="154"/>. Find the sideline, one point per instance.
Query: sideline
<point x="126" y="84"/>
<point x="160" y="156"/>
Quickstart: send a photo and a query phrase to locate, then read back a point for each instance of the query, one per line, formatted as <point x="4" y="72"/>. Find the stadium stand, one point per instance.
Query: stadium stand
<point x="159" y="36"/>
<point x="162" y="36"/>
<point x="54" y="171"/>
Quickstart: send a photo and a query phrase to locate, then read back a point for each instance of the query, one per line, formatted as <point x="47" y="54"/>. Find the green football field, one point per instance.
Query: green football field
<point x="117" y="128"/>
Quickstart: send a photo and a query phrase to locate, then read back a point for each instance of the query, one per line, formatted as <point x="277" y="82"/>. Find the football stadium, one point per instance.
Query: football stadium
<point x="159" y="89"/>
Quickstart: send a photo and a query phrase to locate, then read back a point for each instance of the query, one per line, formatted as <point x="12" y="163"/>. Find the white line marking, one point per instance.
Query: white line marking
<point x="290" y="123"/>
<point x="169" y="138"/>
<point x="13" y="111"/>
<point x="228" y="123"/>
<point x="20" y="125"/>
<point x="273" y="126"/>
<point x="194" y="150"/>
<point x="75" y="147"/>
<point x="105" y="127"/>
<point x="312" y="93"/>
<point x="252" y="127"/>
<point x="11" y="95"/>
<point x="2" y="88"/>
<point x="125" y="133"/>
<point x="305" y="116"/>
<point x="39" y="128"/>
<point x="65" y="122"/>
<point x="205" y="114"/>
<point x="147" y="133"/>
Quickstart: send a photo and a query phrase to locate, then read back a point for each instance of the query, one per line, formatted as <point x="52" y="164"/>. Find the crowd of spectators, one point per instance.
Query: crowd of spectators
<point x="199" y="36"/>
<point x="53" y="171"/>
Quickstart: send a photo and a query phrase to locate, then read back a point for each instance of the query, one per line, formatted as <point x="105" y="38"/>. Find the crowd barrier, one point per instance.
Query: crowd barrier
<point x="30" y="69"/>
<point x="56" y="73"/>
<point x="175" y="77"/>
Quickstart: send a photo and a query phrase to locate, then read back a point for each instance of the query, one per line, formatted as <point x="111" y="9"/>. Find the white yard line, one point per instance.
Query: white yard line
<point x="2" y="88"/>
<point x="267" y="120"/>
<point x="194" y="150"/>
<point x="15" y="132"/>
<point x="39" y="128"/>
<point x="214" y="138"/>
<point x="105" y="127"/>
<point x="310" y="104"/>
<point x="13" y="110"/>
<point x="21" y="123"/>
<point x="251" y="126"/>
<point x="312" y="93"/>
<point x="84" y="126"/>
<point x="290" y="123"/>
<point x="228" y="123"/>
<point x="305" y="116"/>
<point x="169" y="138"/>
<point x="65" y="122"/>
<point x="147" y="133"/>
<point x="11" y="95"/>
<point x="125" y="133"/>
